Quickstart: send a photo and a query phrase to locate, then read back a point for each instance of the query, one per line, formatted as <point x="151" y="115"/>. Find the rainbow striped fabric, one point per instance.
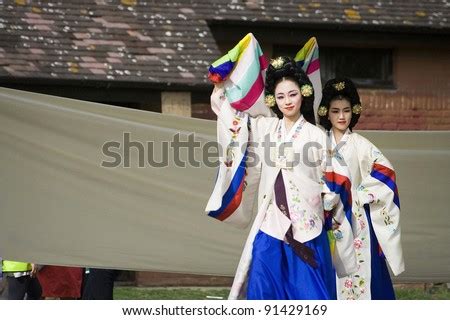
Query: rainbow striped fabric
<point x="386" y="175"/>
<point x="308" y="56"/>
<point x="308" y="59"/>
<point x="341" y="185"/>
<point x="232" y="198"/>
<point x="242" y="73"/>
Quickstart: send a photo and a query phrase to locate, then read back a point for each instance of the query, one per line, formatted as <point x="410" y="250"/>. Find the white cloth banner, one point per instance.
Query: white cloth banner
<point x="59" y="205"/>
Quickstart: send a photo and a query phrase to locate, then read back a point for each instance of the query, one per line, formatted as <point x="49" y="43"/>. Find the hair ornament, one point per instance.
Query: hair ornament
<point x="357" y="108"/>
<point x="269" y="100"/>
<point x="306" y="90"/>
<point x="322" y="111"/>
<point x="339" y="86"/>
<point x="277" y="63"/>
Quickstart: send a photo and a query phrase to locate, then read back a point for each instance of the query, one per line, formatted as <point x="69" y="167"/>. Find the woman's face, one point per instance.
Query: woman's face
<point x="340" y="114"/>
<point x="288" y="98"/>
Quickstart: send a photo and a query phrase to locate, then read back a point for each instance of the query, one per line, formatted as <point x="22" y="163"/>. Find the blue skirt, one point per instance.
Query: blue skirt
<point x="277" y="273"/>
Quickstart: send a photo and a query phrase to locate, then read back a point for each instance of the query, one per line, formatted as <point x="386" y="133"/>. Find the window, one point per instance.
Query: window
<point x="367" y="67"/>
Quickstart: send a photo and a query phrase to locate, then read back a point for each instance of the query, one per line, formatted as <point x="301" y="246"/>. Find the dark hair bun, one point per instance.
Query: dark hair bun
<point x="287" y="68"/>
<point x="342" y="89"/>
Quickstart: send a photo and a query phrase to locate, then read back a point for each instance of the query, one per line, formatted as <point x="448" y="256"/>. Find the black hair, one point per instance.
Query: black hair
<point x="339" y="89"/>
<point x="290" y="70"/>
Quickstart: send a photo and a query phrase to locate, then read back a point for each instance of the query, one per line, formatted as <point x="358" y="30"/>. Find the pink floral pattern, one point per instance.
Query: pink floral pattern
<point x="357" y="279"/>
<point x="348" y="283"/>
<point x="357" y="243"/>
<point x="298" y="215"/>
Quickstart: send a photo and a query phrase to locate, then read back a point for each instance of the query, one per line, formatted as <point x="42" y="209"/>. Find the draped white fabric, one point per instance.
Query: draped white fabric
<point x="59" y="205"/>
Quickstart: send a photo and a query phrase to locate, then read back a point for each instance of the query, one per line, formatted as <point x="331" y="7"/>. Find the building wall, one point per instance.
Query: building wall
<point x="203" y="111"/>
<point x="421" y="100"/>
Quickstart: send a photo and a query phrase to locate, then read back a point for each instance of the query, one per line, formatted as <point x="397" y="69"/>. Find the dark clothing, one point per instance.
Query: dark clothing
<point x="25" y="286"/>
<point x="99" y="284"/>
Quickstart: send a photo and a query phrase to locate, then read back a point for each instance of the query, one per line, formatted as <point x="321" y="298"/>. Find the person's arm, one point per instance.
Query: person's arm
<point x="338" y="212"/>
<point x="234" y="194"/>
<point x="378" y="196"/>
<point x="34" y="270"/>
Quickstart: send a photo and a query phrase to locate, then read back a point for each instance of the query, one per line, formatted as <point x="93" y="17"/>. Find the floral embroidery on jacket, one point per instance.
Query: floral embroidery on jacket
<point x="235" y="130"/>
<point x="358" y="281"/>
<point x="386" y="218"/>
<point x="297" y="214"/>
<point x="357" y="243"/>
<point x="355" y="285"/>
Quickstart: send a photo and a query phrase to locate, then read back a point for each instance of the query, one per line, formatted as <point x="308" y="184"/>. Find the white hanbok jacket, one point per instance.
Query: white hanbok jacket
<point x="374" y="187"/>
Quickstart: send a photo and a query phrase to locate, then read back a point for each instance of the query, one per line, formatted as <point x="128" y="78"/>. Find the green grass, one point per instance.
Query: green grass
<point x="435" y="293"/>
<point x="136" y="293"/>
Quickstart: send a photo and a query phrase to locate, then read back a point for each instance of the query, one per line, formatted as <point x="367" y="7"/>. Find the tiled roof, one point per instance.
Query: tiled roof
<point x="163" y="42"/>
<point x="105" y="40"/>
<point x="430" y="14"/>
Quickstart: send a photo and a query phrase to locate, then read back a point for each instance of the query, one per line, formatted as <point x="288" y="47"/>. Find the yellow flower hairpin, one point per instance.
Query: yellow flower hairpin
<point x="357" y="108"/>
<point x="277" y="63"/>
<point x="339" y="86"/>
<point x="269" y="100"/>
<point x="322" y="111"/>
<point x="306" y="90"/>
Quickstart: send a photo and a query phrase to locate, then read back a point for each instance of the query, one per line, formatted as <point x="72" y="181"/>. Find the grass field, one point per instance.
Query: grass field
<point x="440" y="292"/>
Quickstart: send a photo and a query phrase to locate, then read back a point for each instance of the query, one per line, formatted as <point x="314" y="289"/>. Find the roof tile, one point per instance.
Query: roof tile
<point x="166" y="42"/>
